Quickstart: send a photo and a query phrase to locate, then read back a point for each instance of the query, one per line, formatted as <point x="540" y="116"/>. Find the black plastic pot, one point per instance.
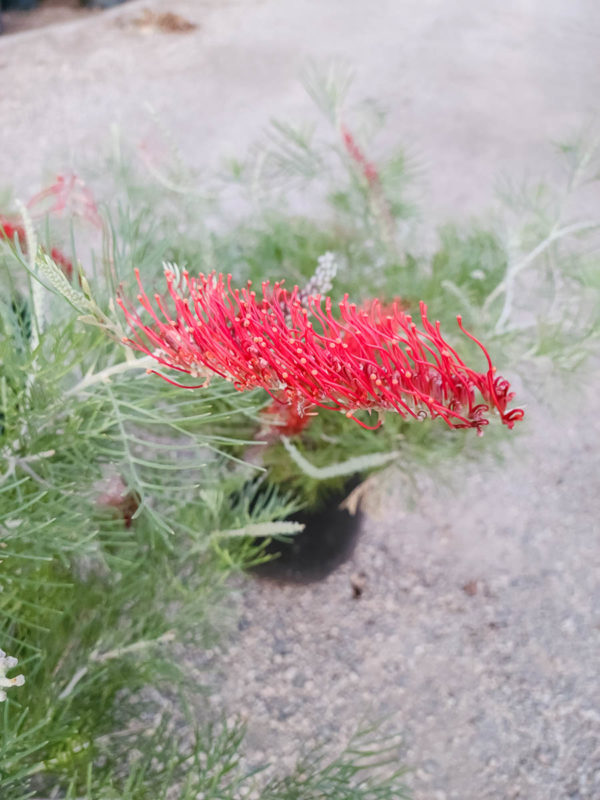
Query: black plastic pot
<point x="18" y="5"/>
<point x="103" y="3"/>
<point x="328" y="540"/>
<point x="27" y="5"/>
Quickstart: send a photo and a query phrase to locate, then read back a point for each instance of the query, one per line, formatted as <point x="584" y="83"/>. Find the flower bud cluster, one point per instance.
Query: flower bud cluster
<point x="7" y="663"/>
<point x="322" y="281"/>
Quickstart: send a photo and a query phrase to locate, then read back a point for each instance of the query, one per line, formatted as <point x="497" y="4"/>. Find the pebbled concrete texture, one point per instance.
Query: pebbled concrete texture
<point x="478" y="631"/>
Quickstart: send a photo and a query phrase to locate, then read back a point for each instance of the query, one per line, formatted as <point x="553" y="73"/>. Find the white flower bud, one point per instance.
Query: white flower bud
<point x="6" y="663"/>
<point x="322" y="281"/>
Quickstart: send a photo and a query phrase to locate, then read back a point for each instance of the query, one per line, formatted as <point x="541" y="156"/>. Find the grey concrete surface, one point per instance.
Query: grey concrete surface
<point x="477" y="635"/>
<point x="477" y="89"/>
<point x="479" y="628"/>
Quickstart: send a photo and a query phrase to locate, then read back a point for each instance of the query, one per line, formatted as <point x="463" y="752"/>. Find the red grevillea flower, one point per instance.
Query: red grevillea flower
<point x="67" y="193"/>
<point x="373" y="358"/>
<point x="371" y="174"/>
<point x="65" y="264"/>
<point x="117" y="497"/>
<point x="10" y="228"/>
<point x="368" y="168"/>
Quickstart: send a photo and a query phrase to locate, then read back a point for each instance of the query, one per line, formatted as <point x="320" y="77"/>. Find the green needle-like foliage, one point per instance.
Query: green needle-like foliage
<point x="110" y="546"/>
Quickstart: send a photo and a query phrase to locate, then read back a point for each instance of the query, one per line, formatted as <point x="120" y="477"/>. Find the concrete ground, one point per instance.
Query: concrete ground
<point x="478" y="631"/>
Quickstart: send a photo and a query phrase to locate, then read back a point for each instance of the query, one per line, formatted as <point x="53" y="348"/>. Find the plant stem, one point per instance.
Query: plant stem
<point x="507" y="285"/>
<point x="106" y="374"/>
<point x="349" y="467"/>
<point x="101" y="658"/>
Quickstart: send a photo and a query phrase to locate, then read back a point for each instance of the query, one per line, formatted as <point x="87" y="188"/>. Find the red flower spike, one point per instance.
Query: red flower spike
<point x="373" y="179"/>
<point x="63" y="262"/>
<point x="68" y="193"/>
<point x="8" y="230"/>
<point x="116" y="497"/>
<point x="284" y="419"/>
<point x="368" y="169"/>
<point x="372" y="358"/>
